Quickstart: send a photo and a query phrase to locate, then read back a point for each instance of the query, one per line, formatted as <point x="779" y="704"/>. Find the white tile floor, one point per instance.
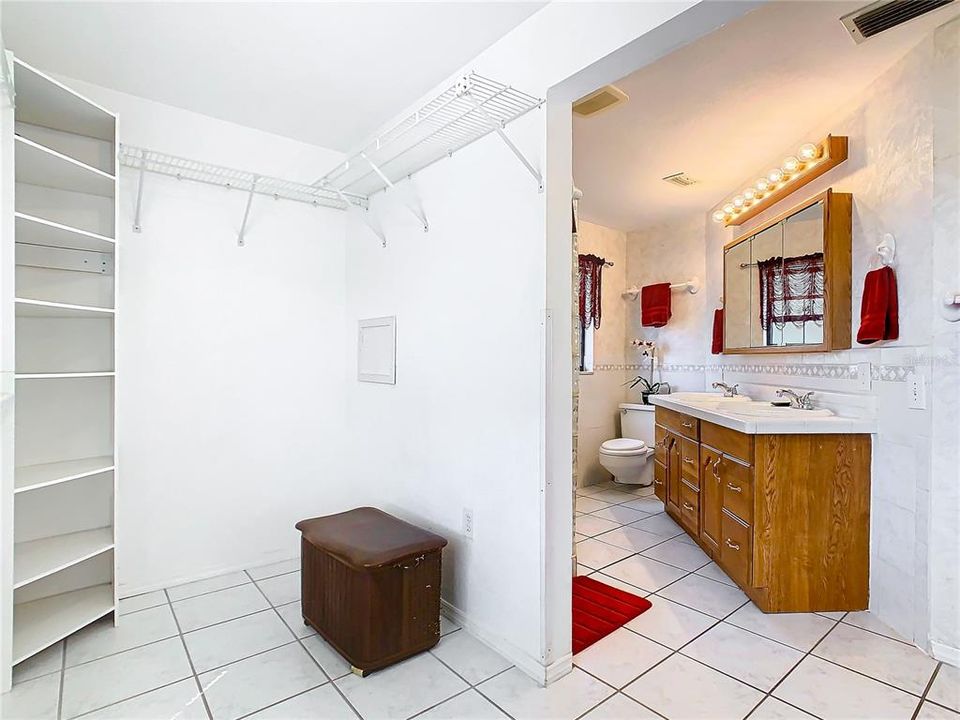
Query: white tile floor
<point x="702" y="651"/>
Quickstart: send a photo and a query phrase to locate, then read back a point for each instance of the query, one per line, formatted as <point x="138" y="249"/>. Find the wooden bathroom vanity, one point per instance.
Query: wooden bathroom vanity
<point x="785" y="514"/>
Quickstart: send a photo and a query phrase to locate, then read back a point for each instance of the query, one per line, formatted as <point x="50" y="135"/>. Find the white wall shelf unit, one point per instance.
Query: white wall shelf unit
<point x="27" y="307"/>
<point x="34" y="477"/>
<point x="38" y="624"/>
<point x="59" y="561"/>
<point x="33" y="230"/>
<point x="39" y="165"/>
<point x="468" y="110"/>
<point x="37" y="559"/>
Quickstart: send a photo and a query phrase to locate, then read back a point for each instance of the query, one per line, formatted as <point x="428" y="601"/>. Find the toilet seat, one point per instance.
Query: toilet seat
<point x="624" y="447"/>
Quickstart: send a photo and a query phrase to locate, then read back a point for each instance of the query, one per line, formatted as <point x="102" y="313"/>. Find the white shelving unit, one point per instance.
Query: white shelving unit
<point x="59" y="564"/>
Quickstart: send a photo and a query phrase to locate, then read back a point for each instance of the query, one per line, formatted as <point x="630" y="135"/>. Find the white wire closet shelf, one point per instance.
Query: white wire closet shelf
<point x="230" y="178"/>
<point x="470" y="109"/>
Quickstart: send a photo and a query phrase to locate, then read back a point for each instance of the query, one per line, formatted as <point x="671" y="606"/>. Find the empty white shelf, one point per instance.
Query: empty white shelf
<point x="40" y="623"/>
<point x="43" y="101"/>
<point x="39" y="558"/>
<point x="62" y="376"/>
<point x="35" y="164"/>
<point x="37" y="231"/>
<point x="43" y="308"/>
<point x="32" y="477"/>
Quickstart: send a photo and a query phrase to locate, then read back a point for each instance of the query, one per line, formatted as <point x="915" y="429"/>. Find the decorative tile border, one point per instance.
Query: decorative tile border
<point x="881" y="373"/>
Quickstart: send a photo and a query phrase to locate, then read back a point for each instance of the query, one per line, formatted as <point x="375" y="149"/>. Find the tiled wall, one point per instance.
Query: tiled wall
<point x="602" y="390"/>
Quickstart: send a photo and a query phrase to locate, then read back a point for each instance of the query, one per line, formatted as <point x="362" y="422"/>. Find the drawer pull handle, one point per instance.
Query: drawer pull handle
<point x="687" y="425"/>
<point x="716" y="467"/>
<point x="689" y="460"/>
<point x="687" y="506"/>
<point x="732" y="545"/>
<point x="734" y="488"/>
<point x="658" y="482"/>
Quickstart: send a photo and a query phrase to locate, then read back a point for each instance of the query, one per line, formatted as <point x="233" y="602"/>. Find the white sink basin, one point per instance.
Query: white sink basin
<point x="707" y="398"/>
<point x="766" y="410"/>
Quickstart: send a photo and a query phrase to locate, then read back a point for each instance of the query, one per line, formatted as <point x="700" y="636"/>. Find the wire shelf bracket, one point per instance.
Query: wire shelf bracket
<point x="470" y="109"/>
<point x="144" y="161"/>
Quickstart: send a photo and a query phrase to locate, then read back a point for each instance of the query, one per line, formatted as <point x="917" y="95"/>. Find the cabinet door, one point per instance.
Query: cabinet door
<point x="711" y="496"/>
<point x="660" y="481"/>
<point x="674" y="470"/>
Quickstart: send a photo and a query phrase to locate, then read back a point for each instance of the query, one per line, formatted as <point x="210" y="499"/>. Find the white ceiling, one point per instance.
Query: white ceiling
<point x="721" y="108"/>
<point x="325" y="73"/>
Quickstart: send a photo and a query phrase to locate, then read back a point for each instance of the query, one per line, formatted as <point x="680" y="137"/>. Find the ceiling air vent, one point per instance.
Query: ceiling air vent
<point x="599" y="101"/>
<point x="681" y="179"/>
<point x="879" y="16"/>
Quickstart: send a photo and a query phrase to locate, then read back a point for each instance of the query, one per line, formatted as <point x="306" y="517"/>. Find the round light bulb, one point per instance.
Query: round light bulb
<point x="729" y="209"/>
<point x="791" y="165"/>
<point x="738" y="201"/>
<point x="762" y="185"/>
<point x="808" y="152"/>
<point x="775" y="176"/>
<point x="719" y="216"/>
<point x="749" y="195"/>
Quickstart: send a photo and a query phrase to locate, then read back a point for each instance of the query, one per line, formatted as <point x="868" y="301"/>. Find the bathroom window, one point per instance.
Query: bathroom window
<point x="586" y="348"/>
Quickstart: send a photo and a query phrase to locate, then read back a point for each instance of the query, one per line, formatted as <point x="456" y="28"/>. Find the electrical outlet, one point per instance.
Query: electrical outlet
<point x="917" y="387"/>
<point x="468" y="523"/>
<point x="864" y="376"/>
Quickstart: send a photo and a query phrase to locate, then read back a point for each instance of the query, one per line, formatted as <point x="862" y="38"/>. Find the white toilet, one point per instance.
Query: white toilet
<point x="630" y="458"/>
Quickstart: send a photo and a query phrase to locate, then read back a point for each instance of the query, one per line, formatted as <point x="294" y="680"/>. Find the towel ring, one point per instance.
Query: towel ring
<point x="887" y="250"/>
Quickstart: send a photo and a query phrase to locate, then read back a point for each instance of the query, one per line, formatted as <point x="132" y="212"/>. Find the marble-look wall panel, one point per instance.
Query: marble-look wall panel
<point x="601" y="391"/>
<point x="672" y="253"/>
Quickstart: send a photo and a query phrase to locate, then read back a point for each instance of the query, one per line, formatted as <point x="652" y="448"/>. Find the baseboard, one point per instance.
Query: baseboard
<point x="532" y="666"/>
<point x="125" y="592"/>
<point x="945" y="653"/>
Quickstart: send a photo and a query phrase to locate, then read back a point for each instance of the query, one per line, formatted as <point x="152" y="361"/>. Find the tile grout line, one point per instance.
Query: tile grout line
<point x="283" y="700"/>
<point x="63" y="672"/>
<point x="303" y="647"/>
<point x="923" y="698"/>
<point x="490" y="699"/>
<point x="186" y="651"/>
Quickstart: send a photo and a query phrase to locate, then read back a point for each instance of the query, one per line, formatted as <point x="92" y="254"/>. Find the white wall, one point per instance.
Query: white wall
<point x="230" y="367"/>
<point x="600" y="391"/>
<point x="481" y="416"/>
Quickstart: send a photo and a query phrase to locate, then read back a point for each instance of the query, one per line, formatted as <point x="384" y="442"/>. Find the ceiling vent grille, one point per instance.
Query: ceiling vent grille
<point x="879" y="16"/>
<point x="604" y="99"/>
<point x="681" y="179"/>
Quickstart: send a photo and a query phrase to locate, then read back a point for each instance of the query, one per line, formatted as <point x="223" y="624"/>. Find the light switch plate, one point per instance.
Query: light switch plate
<point x="864" y="376"/>
<point x="917" y="387"/>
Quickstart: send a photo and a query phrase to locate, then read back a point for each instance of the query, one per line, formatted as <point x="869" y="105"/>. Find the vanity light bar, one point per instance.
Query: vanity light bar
<point x="811" y="161"/>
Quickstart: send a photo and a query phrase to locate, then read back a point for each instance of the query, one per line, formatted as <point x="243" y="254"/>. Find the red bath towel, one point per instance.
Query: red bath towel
<point x="717" y="346"/>
<point x="879" y="312"/>
<point x="655" y="305"/>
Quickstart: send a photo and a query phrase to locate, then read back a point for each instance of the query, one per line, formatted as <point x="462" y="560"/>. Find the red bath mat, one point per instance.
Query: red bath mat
<point x="599" y="609"/>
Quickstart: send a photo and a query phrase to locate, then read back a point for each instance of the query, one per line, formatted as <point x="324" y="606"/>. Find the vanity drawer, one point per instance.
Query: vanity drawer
<point x="679" y="423"/>
<point x="660" y="480"/>
<point x="735" y="552"/>
<point x="660" y="446"/>
<point x="733" y="443"/>
<point x="690" y="461"/>
<point x="736" y="485"/>
<point x="690" y="508"/>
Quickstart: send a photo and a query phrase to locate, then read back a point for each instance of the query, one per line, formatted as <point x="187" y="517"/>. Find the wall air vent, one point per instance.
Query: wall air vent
<point x="599" y="101"/>
<point x="681" y="179"/>
<point x="879" y="16"/>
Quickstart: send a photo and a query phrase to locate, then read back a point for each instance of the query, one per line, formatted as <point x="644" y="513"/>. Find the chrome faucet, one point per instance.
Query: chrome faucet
<point x="728" y="391"/>
<point x="801" y="402"/>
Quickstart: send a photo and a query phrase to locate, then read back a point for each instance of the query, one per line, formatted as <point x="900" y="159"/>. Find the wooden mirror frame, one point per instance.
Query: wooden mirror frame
<point x="837" y="274"/>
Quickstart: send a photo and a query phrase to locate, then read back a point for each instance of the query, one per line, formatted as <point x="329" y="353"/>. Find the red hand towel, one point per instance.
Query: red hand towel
<point x="717" y="346"/>
<point x="879" y="312"/>
<point x="655" y="305"/>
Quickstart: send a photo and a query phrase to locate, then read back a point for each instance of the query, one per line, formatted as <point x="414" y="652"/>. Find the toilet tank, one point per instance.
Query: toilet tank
<point x="637" y="421"/>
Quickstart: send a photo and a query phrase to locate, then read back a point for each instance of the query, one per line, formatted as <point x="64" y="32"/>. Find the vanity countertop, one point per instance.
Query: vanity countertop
<point x="795" y="424"/>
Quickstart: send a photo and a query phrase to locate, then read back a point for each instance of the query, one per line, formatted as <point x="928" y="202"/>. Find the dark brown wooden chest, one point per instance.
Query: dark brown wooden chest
<point x="370" y="585"/>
